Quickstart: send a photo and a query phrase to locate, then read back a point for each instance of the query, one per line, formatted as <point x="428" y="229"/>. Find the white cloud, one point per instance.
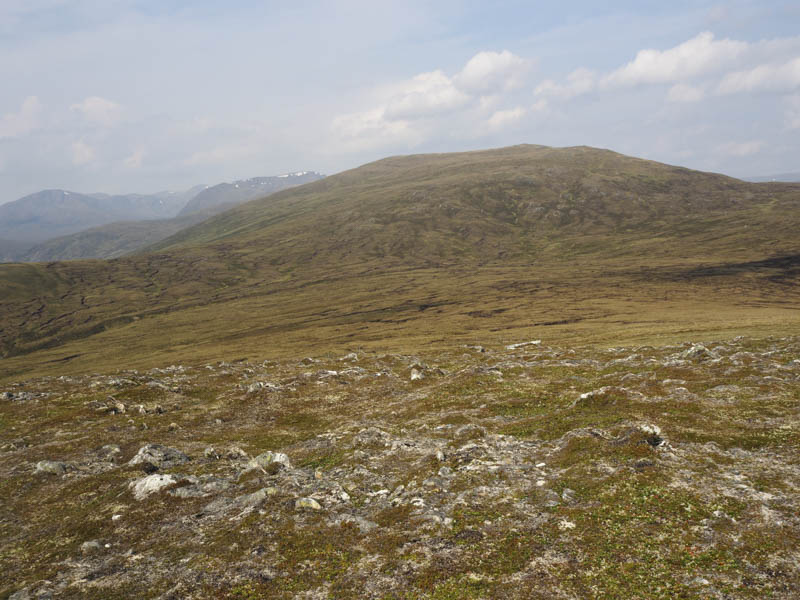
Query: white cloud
<point x="766" y="77"/>
<point x="402" y="111"/>
<point x="683" y="92"/>
<point x="99" y="111"/>
<point x="134" y="161"/>
<point x="493" y="71"/>
<point x="425" y="95"/>
<point x="14" y="125"/>
<point x="539" y="106"/>
<point x="741" y="149"/>
<point x="503" y="118"/>
<point x="82" y="153"/>
<point x="700" y="55"/>
<point x="580" y="81"/>
<point x="371" y="128"/>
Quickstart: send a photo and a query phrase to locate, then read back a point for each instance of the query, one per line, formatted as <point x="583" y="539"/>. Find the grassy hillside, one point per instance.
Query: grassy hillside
<point x="108" y="241"/>
<point x="569" y="244"/>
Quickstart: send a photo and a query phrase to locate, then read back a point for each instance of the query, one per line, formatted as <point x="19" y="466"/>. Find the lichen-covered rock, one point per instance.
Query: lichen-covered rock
<point x="157" y="457"/>
<point x="265" y="459"/>
<point x="52" y="467"/>
<point x="308" y="503"/>
<point x="152" y="484"/>
<point x="91" y="547"/>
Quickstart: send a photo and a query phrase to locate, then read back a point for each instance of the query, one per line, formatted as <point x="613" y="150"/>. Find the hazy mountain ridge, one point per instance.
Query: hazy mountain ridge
<point x="783" y="177"/>
<point x="119" y="237"/>
<point x="53" y="213"/>
<point x="229" y="194"/>
<point x="108" y="241"/>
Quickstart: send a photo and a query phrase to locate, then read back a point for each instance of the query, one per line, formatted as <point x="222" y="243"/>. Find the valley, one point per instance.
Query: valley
<point x="528" y="372"/>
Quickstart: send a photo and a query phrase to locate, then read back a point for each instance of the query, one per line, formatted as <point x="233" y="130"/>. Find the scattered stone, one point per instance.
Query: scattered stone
<point x="236" y="453"/>
<point x="523" y="344"/>
<point x="309" y="503"/>
<point x="565" y="525"/>
<point x="698" y="352"/>
<point x="52" y="467"/>
<point x="109" y="452"/>
<point x="151" y="484"/>
<point x="156" y="456"/>
<point x="364" y="525"/>
<point x="266" y="459"/>
<point x="91" y="547"/>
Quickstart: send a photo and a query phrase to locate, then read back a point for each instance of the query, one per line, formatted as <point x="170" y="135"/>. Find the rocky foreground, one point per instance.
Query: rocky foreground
<point x="524" y="471"/>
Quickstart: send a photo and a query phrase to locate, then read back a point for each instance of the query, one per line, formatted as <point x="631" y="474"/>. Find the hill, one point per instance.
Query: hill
<point x="10" y="249"/>
<point x="107" y="241"/>
<point x="226" y="195"/>
<point x="53" y="213"/>
<point x="429" y="250"/>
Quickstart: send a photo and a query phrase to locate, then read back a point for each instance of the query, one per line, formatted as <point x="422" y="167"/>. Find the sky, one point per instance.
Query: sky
<point x="141" y="96"/>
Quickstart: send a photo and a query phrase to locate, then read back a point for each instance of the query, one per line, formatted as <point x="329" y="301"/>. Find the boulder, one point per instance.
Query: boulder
<point x="308" y="503"/>
<point x="157" y="457"/>
<point x="142" y="488"/>
<point x="52" y="467"/>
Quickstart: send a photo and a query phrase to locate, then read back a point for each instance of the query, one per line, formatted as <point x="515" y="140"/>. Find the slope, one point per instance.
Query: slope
<point x="572" y="243"/>
<point x="53" y="213"/>
<point x="109" y="241"/>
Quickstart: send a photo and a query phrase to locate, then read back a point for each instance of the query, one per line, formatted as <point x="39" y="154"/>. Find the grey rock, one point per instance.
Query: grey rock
<point x="698" y="352"/>
<point x="52" y="467"/>
<point x="371" y="436"/>
<point x="523" y="344"/>
<point x="198" y="488"/>
<point x="158" y="457"/>
<point x="470" y="431"/>
<point x="265" y="459"/>
<point x="364" y="525"/>
<point x="309" y="503"/>
<point x="236" y="453"/>
<point x="144" y="487"/>
<point x="91" y="547"/>
<point x="23" y="594"/>
<point x="110" y="452"/>
<point x="245" y="502"/>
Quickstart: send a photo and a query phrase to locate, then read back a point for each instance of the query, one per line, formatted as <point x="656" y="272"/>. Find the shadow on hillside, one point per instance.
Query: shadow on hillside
<point x="779" y="269"/>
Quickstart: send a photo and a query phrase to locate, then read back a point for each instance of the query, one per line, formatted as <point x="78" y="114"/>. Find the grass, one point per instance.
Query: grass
<point x="573" y="245"/>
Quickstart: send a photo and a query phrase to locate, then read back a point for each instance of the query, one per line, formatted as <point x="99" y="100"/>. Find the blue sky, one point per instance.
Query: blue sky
<point x="123" y="95"/>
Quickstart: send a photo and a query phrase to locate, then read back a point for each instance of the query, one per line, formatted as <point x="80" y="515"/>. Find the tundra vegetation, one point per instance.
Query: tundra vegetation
<point x="520" y="373"/>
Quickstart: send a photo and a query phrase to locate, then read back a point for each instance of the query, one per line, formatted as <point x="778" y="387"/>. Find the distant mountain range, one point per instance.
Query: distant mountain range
<point x="786" y="177"/>
<point x="53" y="213"/>
<point x="60" y="225"/>
<point x="230" y="194"/>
